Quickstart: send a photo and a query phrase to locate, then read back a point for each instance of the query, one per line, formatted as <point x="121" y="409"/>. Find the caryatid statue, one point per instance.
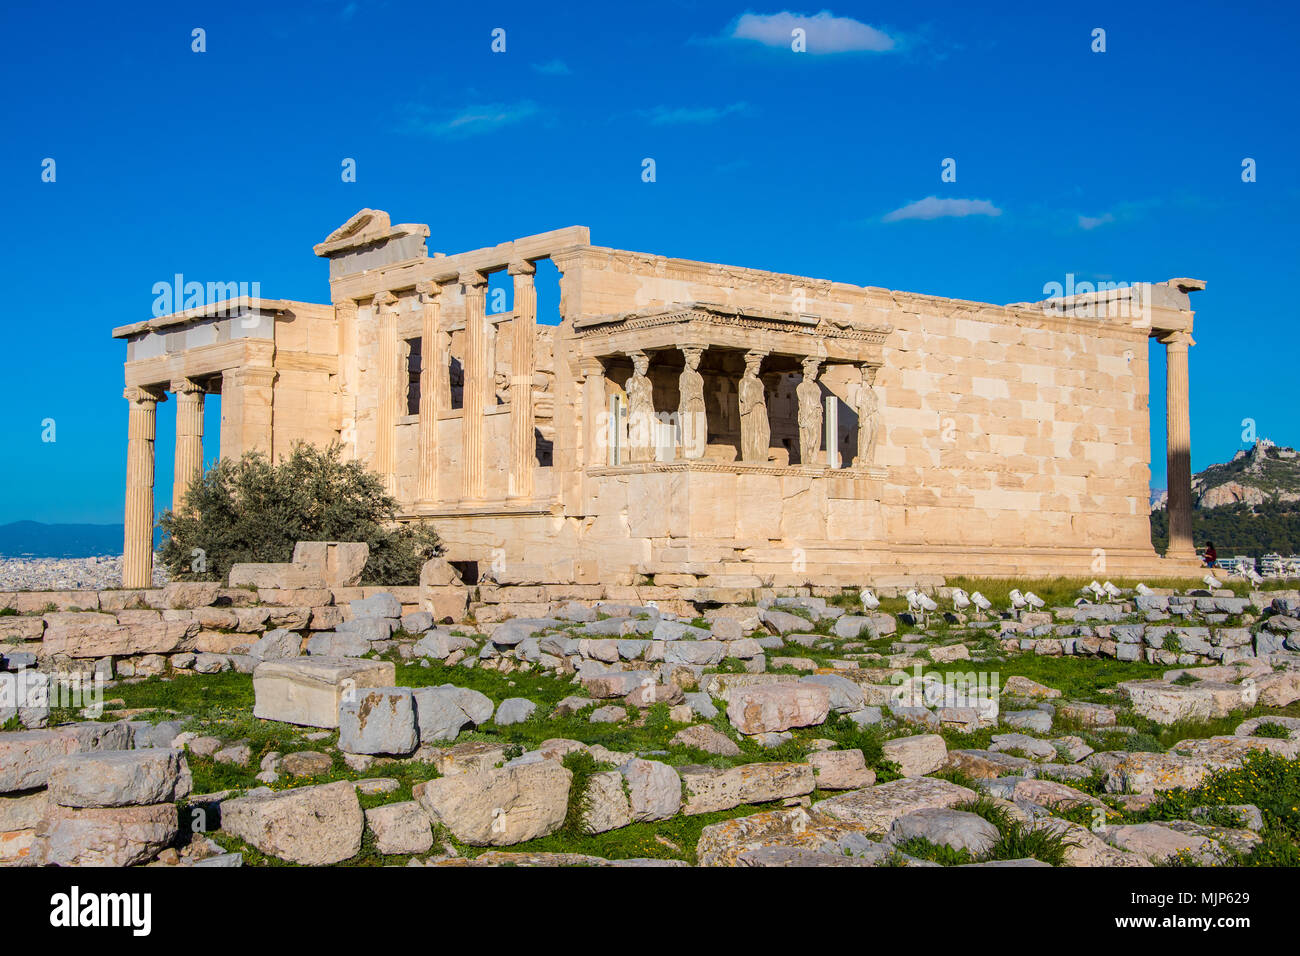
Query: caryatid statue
<point x="690" y="404"/>
<point x="868" y="419"/>
<point x="809" y="394"/>
<point x="640" y="409"/>
<point x="755" y="430"/>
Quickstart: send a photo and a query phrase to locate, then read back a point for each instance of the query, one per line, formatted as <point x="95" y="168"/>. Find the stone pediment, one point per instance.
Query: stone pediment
<point x="367" y="228"/>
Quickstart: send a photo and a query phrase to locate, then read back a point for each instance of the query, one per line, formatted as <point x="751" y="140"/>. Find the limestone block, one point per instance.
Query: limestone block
<point x="607" y="805"/>
<point x="378" y="720"/>
<point x="501" y="806"/>
<point x="400" y="828"/>
<point x="308" y="691"/>
<point x="876" y="808"/>
<point x="654" y="789"/>
<point x="777" y="707"/>
<point x="119" y="778"/>
<point x="339" y="564"/>
<point x="917" y="755"/>
<point x="286" y="576"/>
<point x="841" y="770"/>
<point x="107" y="836"/>
<point x="312" y="826"/>
<point x="710" y="789"/>
<point x="26" y="756"/>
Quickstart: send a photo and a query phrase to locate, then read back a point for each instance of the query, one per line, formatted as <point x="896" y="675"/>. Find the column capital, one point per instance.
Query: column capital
<point x="143" y="394"/>
<point x="521" y="267"/>
<point x="186" y="386"/>
<point x="590" y="365"/>
<point x="472" y="278"/>
<point x="811" y="365"/>
<point x="429" y="291"/>
<point x="1179" y="339"/>
<point x="384" y="300"/>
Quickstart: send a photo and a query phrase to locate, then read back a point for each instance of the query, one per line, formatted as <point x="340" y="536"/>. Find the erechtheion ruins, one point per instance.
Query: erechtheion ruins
<point x="695" y="424"/>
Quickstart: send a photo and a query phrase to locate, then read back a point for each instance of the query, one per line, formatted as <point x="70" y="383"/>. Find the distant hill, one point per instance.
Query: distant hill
<point x="32" y="539"/>
<point x="1267" y="473"/>
<point x="1249" y="506"/>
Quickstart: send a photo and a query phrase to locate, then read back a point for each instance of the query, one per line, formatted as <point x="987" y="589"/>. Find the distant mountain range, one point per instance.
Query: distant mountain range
<point x="32" y="539"/>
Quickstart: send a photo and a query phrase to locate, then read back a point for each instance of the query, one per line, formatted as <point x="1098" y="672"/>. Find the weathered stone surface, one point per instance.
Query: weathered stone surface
<point x="26" y="756"/>
<point x="957" y="829"/>
<point x="876" y="808"/>
<point x="1024" y="687"/>
<point x="723" y="844"/>
<point x="119" y="778"/>
<point x="442" y="712"/>
<point x="277" y="644"/>
<point x="1158" y="843"/>
<point x="703" y="737"/>
<point x="112" y="836"/>
<point x="1085" y="848"/>
<point x="616" y="683"/>
<point x="1150" y="772"/>
<point x="917" y="755"/>
<point x="654" y="789"/>
<point x="313" y="826"/>
<point x="306" y="763"/>
<point x="23" y="811"/>
<point x="308" y="691"/>
<point x="475" y="756"/>
<point x="400" y="828"/>
<point x="499" y="807"/>
<point x="382" y="604"/>
<point x="709" y="789"/>
<point x="607" y="806"/>
<point x="441" y="644"/>
<point x="378" y="720"/>
<point x="776" y="707"/>
<point x="841" y="770"/>
<point x="83" y="634"/>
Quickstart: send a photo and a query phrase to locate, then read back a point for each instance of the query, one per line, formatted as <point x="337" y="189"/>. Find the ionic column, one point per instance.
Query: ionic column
<point x="189" y="438"/>
<point x="1178" y="446"/>
<point x="432" y="362"/>
<point x="595" y="445"/>
<point x="522" y="424"/>
<point x="390" y="396"/>
<point x="137" y="539"/>
<point x="478" y="386"/>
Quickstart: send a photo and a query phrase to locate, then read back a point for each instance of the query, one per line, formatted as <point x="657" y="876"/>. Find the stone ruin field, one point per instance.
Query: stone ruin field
<point x="265" y="727"/>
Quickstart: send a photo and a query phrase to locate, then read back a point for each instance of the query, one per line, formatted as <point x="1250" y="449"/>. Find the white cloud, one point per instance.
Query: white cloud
<point x="674" y="116"/>
<point x="932" y="207"/>
<point x="471" y="120"/>
<point x="825" y="32"/>
<point x="1092" y="222"/>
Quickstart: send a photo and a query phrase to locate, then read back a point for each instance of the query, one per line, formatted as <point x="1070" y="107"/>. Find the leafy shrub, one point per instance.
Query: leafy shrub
<point x="250" y="510"/>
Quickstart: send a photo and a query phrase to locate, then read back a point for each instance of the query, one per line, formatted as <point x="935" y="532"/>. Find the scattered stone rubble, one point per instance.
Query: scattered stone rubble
<point x="110" y="793"/>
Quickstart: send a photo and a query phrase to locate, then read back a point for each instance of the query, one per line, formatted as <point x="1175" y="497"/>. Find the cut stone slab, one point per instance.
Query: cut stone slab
<point x="442" y="712"/>
<point x="276" y="645"/>
<point x="382" y="604"/>
<point x="26" y="756"/>
<point x="312" y="826"/>
<point x="1158" y="843"/>
<point x="957" y="829"/>
<point x="706" y="738"/>
<point x="119" y="778"/>
<point x="775" y="707"/>
<point x="378" y="720"/>
<point x="917" y="755"/>
<point x="111" y="836"/>
<point x="309" y="691"/>
<point x="499" y="807"/>
<point x="400" y="828"/>
<point x="876" y="808"/>
<point x="1085" y="848"/>
<point x="710" y="789"/>
<point x="654" y="789"/>
<point x="475" y="756"/>
<point x="723" y="844"/>
<point x="1024" y="687"/>
<point x="841" y="770"/>
<point x="24" y="811"/>
<point x="607" y="804"/>
<point x="1151" y="772"/>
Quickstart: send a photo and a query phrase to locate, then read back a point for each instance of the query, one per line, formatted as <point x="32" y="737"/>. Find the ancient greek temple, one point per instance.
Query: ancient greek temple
<point x="687" y="423"/>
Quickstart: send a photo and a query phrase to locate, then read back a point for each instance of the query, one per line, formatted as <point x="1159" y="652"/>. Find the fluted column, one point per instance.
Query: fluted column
<point x="478" y="386"/>
<point x="1178" y="446"/>
<point x="595" y="418"/>
<point x="522" y="425"/>
<point x="431" y="363"/>
<point x="137" y="540"/>
<point x="189" y="437"/>
<point x="390" y="395"/>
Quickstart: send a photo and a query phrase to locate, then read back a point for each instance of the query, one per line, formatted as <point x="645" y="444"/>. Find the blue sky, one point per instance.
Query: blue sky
<point x="225" y="165"/>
